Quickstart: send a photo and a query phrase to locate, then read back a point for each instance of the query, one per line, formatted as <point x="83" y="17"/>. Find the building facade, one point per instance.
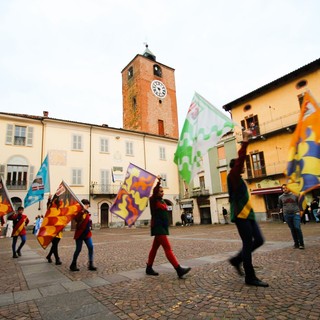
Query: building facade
<point x="272" y="112"/>
<point x="91" y="159"/>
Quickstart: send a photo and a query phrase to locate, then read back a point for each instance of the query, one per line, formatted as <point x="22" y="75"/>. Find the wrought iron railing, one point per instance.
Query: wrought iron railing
<point x="101" y="189"/>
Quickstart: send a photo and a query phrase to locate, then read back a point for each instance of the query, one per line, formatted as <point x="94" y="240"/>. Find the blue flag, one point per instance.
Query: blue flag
<point x="39" y="186"/>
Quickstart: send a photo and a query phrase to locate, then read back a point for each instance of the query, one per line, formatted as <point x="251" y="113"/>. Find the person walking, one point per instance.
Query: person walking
<point x="83" y="234"/>
<point x="55" y="241"/>
<point x="243" y="215"/>
<point x="20" y="221"/>
<point x="160" y="231"/>
<point x="225" y="215"/>
<point x="288" y="204"/>
<point x="54" y="249"/>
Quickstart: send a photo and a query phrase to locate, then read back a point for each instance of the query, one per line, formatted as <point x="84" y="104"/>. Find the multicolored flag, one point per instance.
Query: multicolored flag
<point x="133" y="195"/>
<point x="63" y="207"/>
<point x="303" y="168"/>
<point x="39" y="186"/>
<point x="202" y="130"/>
<point x="5" y="202"/>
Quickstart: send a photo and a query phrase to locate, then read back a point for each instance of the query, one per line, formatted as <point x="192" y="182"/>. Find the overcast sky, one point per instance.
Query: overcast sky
<point x="66" y="56"/>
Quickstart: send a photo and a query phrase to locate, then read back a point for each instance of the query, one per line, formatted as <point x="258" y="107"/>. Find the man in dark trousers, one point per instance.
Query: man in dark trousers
<point x="243" y="215"/>
<point x="289" y="206"/>
<point x="225" y="215"/>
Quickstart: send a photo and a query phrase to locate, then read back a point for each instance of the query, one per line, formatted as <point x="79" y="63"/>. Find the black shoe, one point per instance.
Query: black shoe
<point x="296" y="246"/>
<point x="91" y="267"/>
<point x="15" y="256"/>
<point x="49" y="259"/>
<point x="19" y="253"/>
<point x="151" y="272"/>
<point x="237" y="267"/>
<point x="182" y="271"/>
<point x="58" y="262"/>
<point x="301" y="246"/>
<point x="257" y="283"/>
<point x="74" y="267"/>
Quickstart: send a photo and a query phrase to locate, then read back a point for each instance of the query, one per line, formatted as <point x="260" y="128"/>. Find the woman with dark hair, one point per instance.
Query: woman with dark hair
<point x="160" y="231"/>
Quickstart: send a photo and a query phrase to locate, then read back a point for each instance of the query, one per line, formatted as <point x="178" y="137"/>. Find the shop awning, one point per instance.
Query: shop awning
<point x="267" y="190"/>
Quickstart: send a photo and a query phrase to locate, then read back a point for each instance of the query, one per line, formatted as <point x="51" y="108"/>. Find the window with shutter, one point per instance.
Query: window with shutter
<point x="31" y="175"/>
<point x="129" y="148"/>
<point x="76" y="142"/>
<point x="29" y="136"/>
<point x="162" y="153"/>
<point x="105" y="180"/>
<point x="248" y="165"/>
<point x="76" y="176"/>
<point x="9" y="136"/>
<point x="2" y="170"/>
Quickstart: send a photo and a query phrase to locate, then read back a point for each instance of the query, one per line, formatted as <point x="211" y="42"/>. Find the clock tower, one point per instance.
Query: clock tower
<point x="149" y="96"/>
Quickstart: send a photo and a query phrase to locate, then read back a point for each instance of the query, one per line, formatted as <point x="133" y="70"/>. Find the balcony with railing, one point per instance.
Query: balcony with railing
<point x="16" y="185"/>
<point x="104" y="189"/>
<point x="286" y="122"/>
<point x="270" y="169"/>
<point x="199" y="192"/>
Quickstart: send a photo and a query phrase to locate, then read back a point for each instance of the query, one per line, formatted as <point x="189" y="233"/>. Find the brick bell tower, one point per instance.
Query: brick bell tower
<point x="149" y="96"/>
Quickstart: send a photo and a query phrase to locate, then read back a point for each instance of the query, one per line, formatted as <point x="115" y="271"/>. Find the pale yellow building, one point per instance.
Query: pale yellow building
<point x="272" y="112"/>
<point x="84" y="156"/>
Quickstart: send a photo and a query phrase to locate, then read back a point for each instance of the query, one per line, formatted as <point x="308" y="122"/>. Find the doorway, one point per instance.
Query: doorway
<point x="104" y="215"/>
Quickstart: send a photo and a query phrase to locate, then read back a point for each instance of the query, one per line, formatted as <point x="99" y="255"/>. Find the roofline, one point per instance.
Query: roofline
<point x="313" y="66"/>
<point x="156" y="62"/>
<point x="103" y="126"/>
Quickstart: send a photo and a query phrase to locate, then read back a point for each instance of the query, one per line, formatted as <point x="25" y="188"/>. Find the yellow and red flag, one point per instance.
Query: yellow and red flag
<point x="133" y="195"/>
<point x="303" y="169"/>
<point x="5" y="202"/>
<point x="63" y="207"/>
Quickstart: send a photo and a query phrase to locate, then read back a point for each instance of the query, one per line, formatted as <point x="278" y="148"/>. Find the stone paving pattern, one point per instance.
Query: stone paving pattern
<point x="31" y="288"/>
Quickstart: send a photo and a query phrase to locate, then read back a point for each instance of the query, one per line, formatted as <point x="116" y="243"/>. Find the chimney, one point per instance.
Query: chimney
<point x="46" y="113"/>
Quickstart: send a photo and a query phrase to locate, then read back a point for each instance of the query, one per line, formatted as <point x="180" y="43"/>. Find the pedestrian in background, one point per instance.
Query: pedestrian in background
<point x="288" y="204"/>
<point x="160" y="231"/>
<point x="314" y="209"/>
<point x="225" y="215"/>
<point x="243" y="215"/>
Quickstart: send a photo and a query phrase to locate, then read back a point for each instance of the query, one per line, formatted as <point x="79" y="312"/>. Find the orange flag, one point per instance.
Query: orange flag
<point x="303" y="169"/>
<point x="5" y="202"/>
<point x="63" y="207"/>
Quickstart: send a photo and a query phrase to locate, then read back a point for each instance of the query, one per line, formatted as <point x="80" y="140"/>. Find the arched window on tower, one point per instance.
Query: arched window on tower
<point x="134" y="104"/>
<point x="130" y="73"/>
<point x="157" y="70"/>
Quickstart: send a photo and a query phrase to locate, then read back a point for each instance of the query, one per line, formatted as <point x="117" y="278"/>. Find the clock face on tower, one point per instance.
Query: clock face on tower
<point x="158" y="89"/>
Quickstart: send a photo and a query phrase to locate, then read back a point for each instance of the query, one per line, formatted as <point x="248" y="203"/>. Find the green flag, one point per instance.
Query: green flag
<point x="202" y="130"/>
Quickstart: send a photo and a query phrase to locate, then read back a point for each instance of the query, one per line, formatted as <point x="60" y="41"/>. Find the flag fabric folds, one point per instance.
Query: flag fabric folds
<point x="5" y="202"/>
<point x="303" y="168"/>
<point x="63" y="207"/>
<point x="133" y="195"/>
<point x="39" y="186"/>
<point x="203" y="128"/>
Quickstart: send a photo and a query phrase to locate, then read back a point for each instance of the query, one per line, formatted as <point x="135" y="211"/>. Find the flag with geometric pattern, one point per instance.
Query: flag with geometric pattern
<point x="63" y="207"/>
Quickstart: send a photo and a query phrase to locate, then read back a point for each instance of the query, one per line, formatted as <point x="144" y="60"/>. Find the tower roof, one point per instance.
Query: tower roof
<point x="148" y="54"/>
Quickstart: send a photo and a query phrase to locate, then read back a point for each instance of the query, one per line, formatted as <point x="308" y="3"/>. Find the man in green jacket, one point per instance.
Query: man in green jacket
<point x="243" y="215"/>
